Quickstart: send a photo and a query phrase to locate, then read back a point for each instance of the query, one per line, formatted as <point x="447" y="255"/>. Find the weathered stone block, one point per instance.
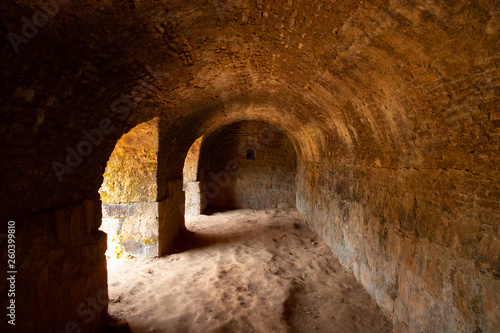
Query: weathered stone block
<point x="136" y="225"/>
<point x="193" y="198"/>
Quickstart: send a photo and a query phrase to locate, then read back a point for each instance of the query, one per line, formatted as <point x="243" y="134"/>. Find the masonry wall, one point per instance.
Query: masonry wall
<point x="61" y="280"/>
<point x="130" y="174"/>
<point x="393" y="107"/>
<point x="190" y="176"/>
<point x="263" y="162"/>
<point x="423" y="242"/>
<point x="133" y="226"/>
<point x="190" y="170"/>
<point x="129" y="191"/>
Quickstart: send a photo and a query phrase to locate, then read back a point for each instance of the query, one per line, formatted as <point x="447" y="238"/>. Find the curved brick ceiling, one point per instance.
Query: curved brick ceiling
<point x="391" y="84"/>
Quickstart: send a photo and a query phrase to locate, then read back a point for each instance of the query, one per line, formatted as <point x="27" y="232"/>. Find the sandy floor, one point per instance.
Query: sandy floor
<point x="243" y="271"/>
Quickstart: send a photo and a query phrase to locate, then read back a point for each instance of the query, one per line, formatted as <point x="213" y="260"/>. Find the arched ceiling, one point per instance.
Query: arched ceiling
<point x="381" y="83"/>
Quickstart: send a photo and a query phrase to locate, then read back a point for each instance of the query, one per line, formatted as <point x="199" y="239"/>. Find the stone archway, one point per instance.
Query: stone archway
<point x="248" y="164"/>
<point x="129" y="191"/>
<point x="392" y="106"/>
<point x="193" y="205"/>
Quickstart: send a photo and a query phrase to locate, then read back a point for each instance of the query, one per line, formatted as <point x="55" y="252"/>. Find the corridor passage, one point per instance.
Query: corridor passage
<point x="243" y="271"/>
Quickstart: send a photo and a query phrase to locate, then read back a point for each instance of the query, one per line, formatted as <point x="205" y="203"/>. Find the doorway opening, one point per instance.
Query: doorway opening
<point x="191" y="185"/>
<point x="128" y="194"/>
<point x="247" y="165"/>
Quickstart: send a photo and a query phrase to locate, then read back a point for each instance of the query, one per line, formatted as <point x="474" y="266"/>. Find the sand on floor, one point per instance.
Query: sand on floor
<point x="243" y="271"/>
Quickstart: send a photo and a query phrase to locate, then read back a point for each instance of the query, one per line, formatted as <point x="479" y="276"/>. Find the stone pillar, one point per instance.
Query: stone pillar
<point x="193" y="198"/>
<point x="171" y="216"/>
<point x="61" y="280"/>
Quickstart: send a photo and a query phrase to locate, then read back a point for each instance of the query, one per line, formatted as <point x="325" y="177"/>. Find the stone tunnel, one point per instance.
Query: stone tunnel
<point x="379" y="121"/>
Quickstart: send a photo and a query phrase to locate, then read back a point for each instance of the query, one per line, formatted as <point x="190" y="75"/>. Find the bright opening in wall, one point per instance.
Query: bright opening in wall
<point x="247" y="165"/>
<point x="128" y="194"/>
<point x="190" y="179"/>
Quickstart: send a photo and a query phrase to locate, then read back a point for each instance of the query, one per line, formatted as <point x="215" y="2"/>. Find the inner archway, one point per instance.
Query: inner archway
<point x="191" y="184"/>
<point x="248" y="164"/>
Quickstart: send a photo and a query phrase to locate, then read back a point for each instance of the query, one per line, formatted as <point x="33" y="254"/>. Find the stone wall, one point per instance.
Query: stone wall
<point x="190" y="170"/>
<point x="171" y="217"/>
<point x="134" y="225"/>
<point x="420" y="243"/>
<point x="61" y="283"/>
<point x="130" y="174"/>
<point x="393" y="108"/>
<point x="193" y="198"/>
<point x="264" y="162"/>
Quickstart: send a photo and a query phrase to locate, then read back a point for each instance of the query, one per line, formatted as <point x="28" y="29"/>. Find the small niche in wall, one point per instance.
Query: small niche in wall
<point x="250" y="155"/>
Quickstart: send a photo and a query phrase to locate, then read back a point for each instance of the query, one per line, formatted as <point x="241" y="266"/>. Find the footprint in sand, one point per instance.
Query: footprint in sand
<point x="280" y="287"/>
<point x="243" y="302"/>
<point x="137" y="288"/>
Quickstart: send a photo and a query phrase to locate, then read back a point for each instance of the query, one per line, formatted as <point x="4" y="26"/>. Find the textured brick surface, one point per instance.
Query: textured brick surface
<point x="62" y="278"/>
<point x="136" y="225"/>
<point x="422" y="258"/>
<point x="392" y="108"/>
<point x="248" y="165"/>
<point x="130" y="174"/>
